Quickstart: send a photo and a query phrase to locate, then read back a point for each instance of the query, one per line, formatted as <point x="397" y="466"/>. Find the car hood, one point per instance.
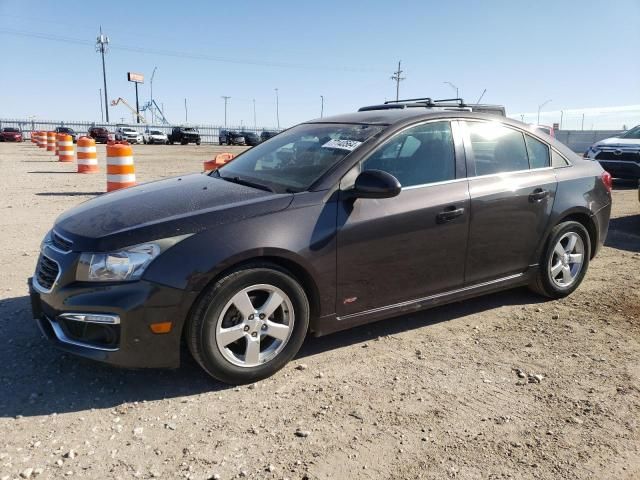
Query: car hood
<point x="618" y="142"/>
<point x="161" y="209"/>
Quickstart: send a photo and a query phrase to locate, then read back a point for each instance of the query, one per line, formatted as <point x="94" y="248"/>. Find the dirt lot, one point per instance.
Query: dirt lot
<point x="432" y="395"/>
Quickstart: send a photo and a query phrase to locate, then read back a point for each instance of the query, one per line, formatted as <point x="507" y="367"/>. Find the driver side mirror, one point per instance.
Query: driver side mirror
<point x="375" y="184"/>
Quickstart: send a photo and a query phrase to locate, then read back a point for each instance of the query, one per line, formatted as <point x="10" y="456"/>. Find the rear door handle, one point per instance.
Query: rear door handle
<point x="449" y="214"/>
<point x="538" y="194"/>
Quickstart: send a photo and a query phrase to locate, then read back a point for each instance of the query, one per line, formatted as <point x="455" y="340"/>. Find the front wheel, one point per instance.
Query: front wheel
<point x="198" y="142"/>
<point x="248" y="325"/>
<point x="564" y="262"/>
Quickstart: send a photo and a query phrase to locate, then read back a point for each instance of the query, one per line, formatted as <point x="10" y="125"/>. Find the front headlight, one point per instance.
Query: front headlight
<point x="122" y="265"/>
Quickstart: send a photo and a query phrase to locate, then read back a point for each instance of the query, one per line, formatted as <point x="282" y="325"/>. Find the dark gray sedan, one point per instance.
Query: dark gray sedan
<point x="333" y="223"/>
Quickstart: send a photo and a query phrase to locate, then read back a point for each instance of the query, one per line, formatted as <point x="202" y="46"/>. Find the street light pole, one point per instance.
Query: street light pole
<point x="540" y="108"/>
<point x="321" y="106"/>
<point x="454" y="87"/>
<point x="186" y="117"/>
<point x="255" y="124"/>
<point x="101" y="111"/>
<point x="277" y="109"/>
<point x="152" y="104"/>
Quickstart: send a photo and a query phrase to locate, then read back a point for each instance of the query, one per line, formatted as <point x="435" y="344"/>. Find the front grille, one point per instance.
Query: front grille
<point x="622" y="157"/>
<point x="60" y="242"/>
<point x="47" y="272"/>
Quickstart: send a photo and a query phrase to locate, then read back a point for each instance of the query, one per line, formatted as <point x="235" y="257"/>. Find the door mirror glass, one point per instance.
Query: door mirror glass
<point x="376" y="184"/>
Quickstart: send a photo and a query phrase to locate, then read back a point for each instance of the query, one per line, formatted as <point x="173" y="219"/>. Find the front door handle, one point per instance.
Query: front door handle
<point x="538" y="194"/>
<point x="449" y="214"/>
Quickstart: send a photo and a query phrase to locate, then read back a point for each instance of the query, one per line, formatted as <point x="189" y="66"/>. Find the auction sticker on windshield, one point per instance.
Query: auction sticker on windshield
<point x="349" y="145"/>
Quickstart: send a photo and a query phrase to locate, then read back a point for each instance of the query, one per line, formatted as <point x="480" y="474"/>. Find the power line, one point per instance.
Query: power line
<point x="179" y="54"/>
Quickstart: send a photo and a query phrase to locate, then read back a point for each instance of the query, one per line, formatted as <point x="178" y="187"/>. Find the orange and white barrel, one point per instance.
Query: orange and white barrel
<point x="120" y="169"/>
<point x="218" y="161"/>
<point x="58" y="140"/>
<point x="87" y="156"/>
<point x="51" y="141"/>
<point x="33" y="137"/>
<point x="65" y="148"/>
<point x="42" y="139"/>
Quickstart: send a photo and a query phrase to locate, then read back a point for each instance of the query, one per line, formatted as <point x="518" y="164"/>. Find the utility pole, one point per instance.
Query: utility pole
<point x="255" y="124"/>
<point x="277" y="109"/>
<point x="226" y="99"/>
<point x="101" y="111"/>
<point x="186" y="117"/>
<point x="397" y="78"/>
<point x="456" y="89"/>
<point x="152" y="104"/>
<point x="561" y="116"/>
<point x="321" y="105"/>
<point x="101" y="46"/>
<point x="137" y="105"/>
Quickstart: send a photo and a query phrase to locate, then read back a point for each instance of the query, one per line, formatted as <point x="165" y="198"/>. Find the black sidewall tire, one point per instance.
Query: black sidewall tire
<point x="202" y="325"/>
<point x="543" y="283"/>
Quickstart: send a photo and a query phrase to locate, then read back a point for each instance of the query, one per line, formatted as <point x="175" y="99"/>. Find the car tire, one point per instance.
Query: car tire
<point x="198" y="142"/>
<point x="216" y="317"/>
<point x="560" y="272"/>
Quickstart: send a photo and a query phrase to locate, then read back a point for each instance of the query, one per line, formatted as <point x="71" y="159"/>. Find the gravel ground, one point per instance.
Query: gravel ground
<point x="505" y="386"/>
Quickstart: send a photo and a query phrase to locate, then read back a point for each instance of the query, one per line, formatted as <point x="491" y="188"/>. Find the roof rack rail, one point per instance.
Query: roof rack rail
<point x="441" y="104"/>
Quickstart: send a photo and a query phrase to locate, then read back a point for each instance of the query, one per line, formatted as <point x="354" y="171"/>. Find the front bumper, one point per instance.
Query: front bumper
<point x="129" y="343"/>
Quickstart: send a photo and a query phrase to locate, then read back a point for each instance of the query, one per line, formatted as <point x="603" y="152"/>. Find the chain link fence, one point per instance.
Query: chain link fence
<point x="606" y="118"/>
<point x="208" y="133"/>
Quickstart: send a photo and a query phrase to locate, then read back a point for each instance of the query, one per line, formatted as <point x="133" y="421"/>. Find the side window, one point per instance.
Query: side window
<point x="497" y="148"/>
<point x="417" y="156"/>
<point x="538" y="153"/>
<point x="558" y="160"/>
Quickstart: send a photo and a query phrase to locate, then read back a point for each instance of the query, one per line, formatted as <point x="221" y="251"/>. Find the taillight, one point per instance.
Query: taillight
<point x="607" y="180"/>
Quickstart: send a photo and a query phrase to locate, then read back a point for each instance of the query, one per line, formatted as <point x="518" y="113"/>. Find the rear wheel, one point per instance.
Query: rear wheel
<point x="565" y="261"/>
<point x="249" y="325"/>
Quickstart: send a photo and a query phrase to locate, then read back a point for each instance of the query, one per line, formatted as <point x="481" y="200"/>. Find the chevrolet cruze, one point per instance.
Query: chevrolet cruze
<point x="333" y="223"/>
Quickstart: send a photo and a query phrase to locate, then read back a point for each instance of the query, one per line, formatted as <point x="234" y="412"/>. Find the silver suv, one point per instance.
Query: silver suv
<point x="619" y="155"/>
<point x="128" y="134"/>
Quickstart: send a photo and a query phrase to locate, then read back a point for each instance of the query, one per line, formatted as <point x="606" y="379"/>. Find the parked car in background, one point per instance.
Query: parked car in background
<point x="332" y="224"/>
<point x="155" y="137"/>
<point x="68" y="131"/>
<point x="230" y="137"/>
<point x="184" y="135"/>
<point x="250" y="138"/>
<point x="546" y="129"/>
<point x="129" y="134"/>
<point x="100" y="134"/>
<point x="619" y="155"/>
<point x="11" y="134"/>
<point x="266" y="135"/>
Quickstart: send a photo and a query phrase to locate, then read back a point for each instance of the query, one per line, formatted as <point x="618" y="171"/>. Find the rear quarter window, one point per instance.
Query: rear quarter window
<point x="538" y="153"/>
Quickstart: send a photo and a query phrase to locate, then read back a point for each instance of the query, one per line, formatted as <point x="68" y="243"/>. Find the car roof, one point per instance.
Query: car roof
<point x="393" y="116"/>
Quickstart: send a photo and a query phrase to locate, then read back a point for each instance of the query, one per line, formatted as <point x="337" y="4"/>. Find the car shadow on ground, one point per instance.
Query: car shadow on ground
<point x="41" y="380"/>
<point x="69" y="194"/>
<point x="624" y="233"/>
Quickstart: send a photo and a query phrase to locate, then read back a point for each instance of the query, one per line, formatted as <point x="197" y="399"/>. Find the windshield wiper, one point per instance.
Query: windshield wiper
<point x="248" y="183"/>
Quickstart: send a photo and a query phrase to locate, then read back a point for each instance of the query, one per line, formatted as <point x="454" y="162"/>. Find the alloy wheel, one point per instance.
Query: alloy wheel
<point x="566" y="260"/>
<point x="255" y="325"/>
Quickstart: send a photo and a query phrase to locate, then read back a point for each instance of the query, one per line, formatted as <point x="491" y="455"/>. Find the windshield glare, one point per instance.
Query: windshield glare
<point x="296" y="158"/>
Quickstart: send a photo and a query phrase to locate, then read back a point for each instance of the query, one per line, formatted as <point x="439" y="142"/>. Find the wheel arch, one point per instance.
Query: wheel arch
<point x="584" y="217"/>
<point x="281" y="262"/>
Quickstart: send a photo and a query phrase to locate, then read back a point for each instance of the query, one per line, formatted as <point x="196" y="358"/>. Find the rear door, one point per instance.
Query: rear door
<point x="512" y="188"/>
<point x="413" y="245"/>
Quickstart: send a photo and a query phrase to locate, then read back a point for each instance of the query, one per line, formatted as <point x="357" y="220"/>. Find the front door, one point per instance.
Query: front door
<point x="410" y="246"/>
<point x="512" y="195"/>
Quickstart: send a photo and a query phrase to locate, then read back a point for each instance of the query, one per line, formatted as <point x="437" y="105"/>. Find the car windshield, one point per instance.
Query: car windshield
<point x="155" y="132"/>
<point x="293" y="160"/>
<point x="12" y="130"/>
<point x="65" y="130"/>
<point x="634" y="133"/>
<point x="189" y="130"/>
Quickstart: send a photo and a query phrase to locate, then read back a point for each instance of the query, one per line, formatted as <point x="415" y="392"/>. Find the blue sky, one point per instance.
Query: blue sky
<point x="577" y="53"/>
